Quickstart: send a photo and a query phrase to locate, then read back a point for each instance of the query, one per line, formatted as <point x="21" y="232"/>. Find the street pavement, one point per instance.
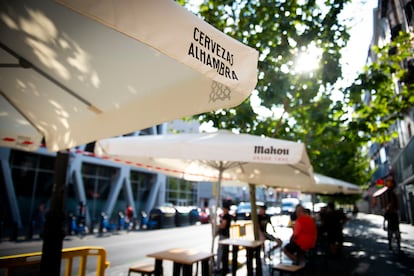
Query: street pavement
<point x="365" y="250"/>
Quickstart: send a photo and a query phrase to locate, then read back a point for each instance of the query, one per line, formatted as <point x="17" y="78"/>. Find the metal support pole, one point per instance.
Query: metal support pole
<point x="252" y="189"/>
<point x="54" y="227"/>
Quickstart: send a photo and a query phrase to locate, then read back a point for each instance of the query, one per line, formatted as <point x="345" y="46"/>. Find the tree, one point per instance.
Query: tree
<point x="384" y="92"/>
<point x="281" y="31"/>
<point x="299" y="100"/>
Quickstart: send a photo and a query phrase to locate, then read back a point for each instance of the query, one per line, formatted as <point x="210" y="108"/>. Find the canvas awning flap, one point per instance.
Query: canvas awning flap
<point x="20" y="134"/>
<point x="205" y="48"/>
<point x="88" y="70"/>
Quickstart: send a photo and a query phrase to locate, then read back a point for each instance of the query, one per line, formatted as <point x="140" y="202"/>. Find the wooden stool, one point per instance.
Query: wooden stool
<point x="144" y="269"/>
<point x="289" y="268"/>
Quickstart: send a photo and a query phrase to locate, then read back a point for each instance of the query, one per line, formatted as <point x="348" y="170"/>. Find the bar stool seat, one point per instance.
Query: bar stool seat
<point x="144" y="269"/>
<point x="289" y="268"/>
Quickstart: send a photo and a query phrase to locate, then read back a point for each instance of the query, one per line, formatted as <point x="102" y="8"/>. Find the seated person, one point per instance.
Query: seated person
<point x="264" y="220"/>
<point x="332" y="224"/>
<point x="303" y="237"/>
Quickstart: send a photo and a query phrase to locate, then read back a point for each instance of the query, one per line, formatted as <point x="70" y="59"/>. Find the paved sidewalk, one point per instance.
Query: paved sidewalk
<point x="367" y="248"/>
<point x="365" y="251"/>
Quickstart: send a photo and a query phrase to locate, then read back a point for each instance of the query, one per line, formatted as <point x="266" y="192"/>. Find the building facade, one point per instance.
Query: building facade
<point x="395" y="158"/>
<point x="100" y="185"/>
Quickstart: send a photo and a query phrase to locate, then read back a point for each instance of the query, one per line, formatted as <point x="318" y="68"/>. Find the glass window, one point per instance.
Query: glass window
<point x="180" y="191"/>
<point x="97" y="180"/>
<point x="32" y="173"/>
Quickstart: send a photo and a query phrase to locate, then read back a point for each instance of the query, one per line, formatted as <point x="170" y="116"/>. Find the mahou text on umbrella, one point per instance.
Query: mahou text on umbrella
<point x="270" y="150"/>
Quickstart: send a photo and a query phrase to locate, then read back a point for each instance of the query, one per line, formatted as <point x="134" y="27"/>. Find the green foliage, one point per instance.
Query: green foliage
<point x="380" y="81"/>
<point x="281" y="30"/>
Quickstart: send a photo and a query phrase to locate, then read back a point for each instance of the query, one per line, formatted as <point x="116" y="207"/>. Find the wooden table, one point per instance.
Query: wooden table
<point x="183" y="259"/>
<point x="253" y="249"/>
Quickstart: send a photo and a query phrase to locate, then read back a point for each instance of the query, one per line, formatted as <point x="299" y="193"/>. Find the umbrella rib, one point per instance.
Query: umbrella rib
<point x="10" y="65"/>
<point x="223" y="165"/>
<point x="300" y="170"/>
<point x="26" y="64"/>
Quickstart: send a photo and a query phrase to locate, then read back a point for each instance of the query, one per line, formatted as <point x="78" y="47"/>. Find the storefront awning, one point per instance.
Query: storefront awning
<point x="380" y="191"/>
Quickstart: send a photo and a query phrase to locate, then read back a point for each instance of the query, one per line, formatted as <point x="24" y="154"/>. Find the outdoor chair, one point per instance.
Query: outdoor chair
<point x="145" y="269"/>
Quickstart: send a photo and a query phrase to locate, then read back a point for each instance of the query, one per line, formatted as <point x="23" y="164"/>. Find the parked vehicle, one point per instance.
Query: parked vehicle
<point x="244" y="210"/>
<point x="273" y="211"/>
<point x="289" y="205"/>
<point x="104" y="225"/>
<point x="308" y="205"/>
<point x="77" y="226"/>
<point x="194" y="215"/>
<point x="162" y="217"/>
<point x="317" y="207"/>
<point x="204" y="216"/>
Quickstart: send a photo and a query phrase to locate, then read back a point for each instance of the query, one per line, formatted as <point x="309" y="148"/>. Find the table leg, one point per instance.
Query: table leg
<point x="176" y="269"/>
<point x="225" y="260"/>
<point x="249" y="261"/>
<point x="158" y="268"/>
<point x="205" y="267"/>
<point x="187" y="270"/>
<point x="259" y="271"/>
<point x="234" y="262"/>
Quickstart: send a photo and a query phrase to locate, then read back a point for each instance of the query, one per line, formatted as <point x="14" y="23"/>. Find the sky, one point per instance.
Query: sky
<point x="355" y="54"/>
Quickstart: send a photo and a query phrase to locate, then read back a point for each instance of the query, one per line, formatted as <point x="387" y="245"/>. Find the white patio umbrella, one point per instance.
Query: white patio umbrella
<point x="324" y="185"/>
<point x="216" y="156"/>
<point x="76" y="71"/>
<point x="72" y="72"/>
<point x="328" y="185"/>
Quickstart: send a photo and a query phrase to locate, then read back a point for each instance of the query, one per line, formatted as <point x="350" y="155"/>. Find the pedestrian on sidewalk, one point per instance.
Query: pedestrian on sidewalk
<point x="391" y="224"/>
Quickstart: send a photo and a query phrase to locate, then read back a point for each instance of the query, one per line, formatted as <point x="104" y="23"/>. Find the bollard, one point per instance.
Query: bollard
<point x="92" y="226"/>
<point x="120" y="221"/>
<point x="30" y="231"/>
<point x="101" y="223"/>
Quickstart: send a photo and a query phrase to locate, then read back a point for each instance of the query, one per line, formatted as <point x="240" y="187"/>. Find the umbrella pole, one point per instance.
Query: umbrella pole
<point x="252" y="190"/>
<point x="214" y="224"/>
<point x="54" y="225"/>
<point x="313" y="202"/>
<point x="214" y="221"/>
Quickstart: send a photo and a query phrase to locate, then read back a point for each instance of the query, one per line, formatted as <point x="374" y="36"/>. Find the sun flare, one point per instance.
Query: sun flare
<point x="308" y="59"/>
